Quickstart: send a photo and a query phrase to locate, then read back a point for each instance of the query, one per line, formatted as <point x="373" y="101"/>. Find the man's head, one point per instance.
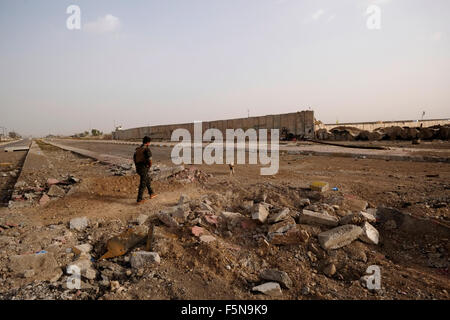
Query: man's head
<point x="146" y="140"/>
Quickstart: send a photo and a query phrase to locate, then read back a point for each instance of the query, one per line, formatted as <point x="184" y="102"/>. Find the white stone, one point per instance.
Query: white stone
<point x="260" y="213"/>
<point x="140" y="259"/>
<point x="370" y="234"/>
<point x="79" y="224"/>
<point x="311" y="217"/>
<point x="269" y="288"/>
<point x="339" y="237"/>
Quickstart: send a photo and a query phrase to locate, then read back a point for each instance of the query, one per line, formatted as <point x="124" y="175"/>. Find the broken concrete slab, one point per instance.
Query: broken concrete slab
<point x="141" y="219"/>
<point x="293" y="236"/>
<point x="276" y="275"/>
<point x="370" y="234"/>
<point x="339" y="237"/>
<point x="268" y="288"/>
<point x="279" y="216"/>
<point x="79" y="224"/>
<point x="281" y="227"/>
<point x="311" y="217"/>
<point x="354" y="204"/>
<point x="260" y="212"/>
<point x="140" y="259"/>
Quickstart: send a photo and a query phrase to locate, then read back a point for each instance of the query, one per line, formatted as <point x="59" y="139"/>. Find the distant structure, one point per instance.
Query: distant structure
<point x="296" y="125"/>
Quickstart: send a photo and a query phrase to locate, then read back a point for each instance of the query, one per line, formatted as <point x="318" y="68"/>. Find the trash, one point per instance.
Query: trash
<point x="335" y="189"/>
<point x="320" y="186"/>
<point x="121" y="244"/>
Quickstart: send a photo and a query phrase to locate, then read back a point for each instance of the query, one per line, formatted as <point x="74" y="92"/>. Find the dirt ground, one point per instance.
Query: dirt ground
<point x="413" y="261"/>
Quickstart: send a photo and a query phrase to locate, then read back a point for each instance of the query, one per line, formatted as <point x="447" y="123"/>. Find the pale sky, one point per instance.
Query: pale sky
<point x="150" y="62"/>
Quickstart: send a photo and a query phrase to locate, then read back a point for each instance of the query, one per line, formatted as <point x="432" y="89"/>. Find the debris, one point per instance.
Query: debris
<point x="269" y="288"/>
<point x="260" y="212"/>
<point x="119" y="245"/>
<point x="293" y="236"/>
<point x="279" y="216"/>
<point x="84" y="264"/>
<point x="140" y="259"/>
<point x="79" y="224"/>
<point x="370" y="234"/>
<point x="52" y="181"/>
<point x="167" y="219"/>
<point x="82" y="248"/>
<point x="339" y="237"/>
<point x="184" y="199"/>
<point x="329" y="270"/>
<point x="278" y="276"/>
<point x="141" y="219"/>
<point x="303" y="203"/>
<point x="281" y="227"/>
<point x="56" y="191"/>
<point x="320" y="186"/>
<point x="357" y="218"/>
<point x="311" y="217"/>
<point x="197" y="231"/>
<point x="44" y="200"/>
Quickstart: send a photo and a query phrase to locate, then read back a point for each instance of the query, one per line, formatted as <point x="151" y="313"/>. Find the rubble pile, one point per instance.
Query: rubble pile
<point x="25" y="194"/>
<point x="191" y="175"/>
<point x="346" y="133"/>
<point x="272" y="242"/>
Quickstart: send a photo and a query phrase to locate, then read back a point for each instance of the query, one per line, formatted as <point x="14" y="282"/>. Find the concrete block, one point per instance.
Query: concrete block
<point x="260" y="212"/>
<point x="141" y="259"/>
<point x="311" y="217"/>
<point x="339" y="237"/>
<point x="370" y="234"/>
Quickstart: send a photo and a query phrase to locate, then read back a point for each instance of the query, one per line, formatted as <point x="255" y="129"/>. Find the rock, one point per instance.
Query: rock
<point x="184" y="199"/>
<point x="281" y="227"/>
<point x="167" y="219"/>
<point x="206" y="207"/>
<point x="260" y="212"/>
<point x="82" y="248"/>
<point x="329" y="270"/>
<point x="232" y="219"/>
<point x="79" y="224"/>
<point x="140" y="259"/>
<point x="372" y="211"/>
<point x="43" y="265"/>
<point x="141" y="219"/>
<point x="293" y="236"/>
<point x="303" y="203"/>
<point x="56" y="191"/>
<point x="51" y="181"/>
<point x="28" y="273"/>
<point x="197" y="231"/>
<point x="320" y="186"/>
<point x="261" y="197"/>
<point x="370" y="234"/>
<point x="85" y="266"/>
<point x="311" y="217"/>
<point x="357" y="218"/>
<point x="278" y="276"/>
<point x="268" y="288"/>
<point x="339" y="237"/>
<point x="207" y="238"/>
<point x="247" y="205"/>
<point x="279" y="216"/>
<point x="44" y="200"/>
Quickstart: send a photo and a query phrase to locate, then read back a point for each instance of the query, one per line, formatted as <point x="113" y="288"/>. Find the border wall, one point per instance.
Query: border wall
<point x="299" y="124"/>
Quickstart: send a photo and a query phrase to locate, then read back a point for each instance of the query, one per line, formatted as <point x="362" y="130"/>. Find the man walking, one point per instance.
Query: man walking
<point x="143" y="161"/>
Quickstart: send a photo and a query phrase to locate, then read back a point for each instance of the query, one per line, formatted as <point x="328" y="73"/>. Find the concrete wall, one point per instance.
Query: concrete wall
<point x="370" y="126"/>
<point x="300" y="124"/>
